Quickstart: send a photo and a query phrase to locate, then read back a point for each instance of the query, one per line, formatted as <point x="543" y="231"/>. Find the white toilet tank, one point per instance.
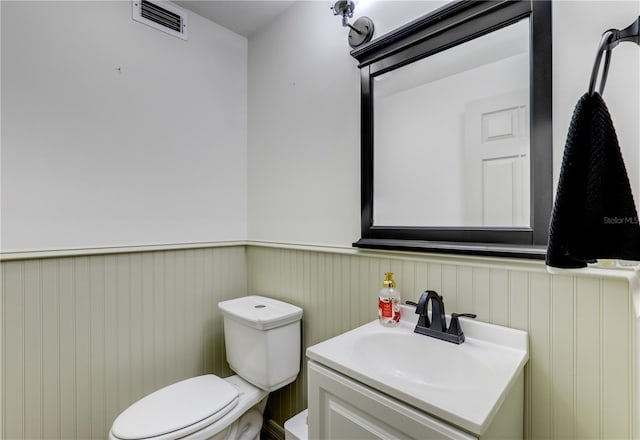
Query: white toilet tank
<point x="262" y="338"/>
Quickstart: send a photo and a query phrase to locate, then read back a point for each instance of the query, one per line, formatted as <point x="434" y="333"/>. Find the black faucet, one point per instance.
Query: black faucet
<point x="437" y="327"/>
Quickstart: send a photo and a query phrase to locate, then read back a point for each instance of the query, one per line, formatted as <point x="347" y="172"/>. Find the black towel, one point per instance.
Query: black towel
<point x="594" y="215"/>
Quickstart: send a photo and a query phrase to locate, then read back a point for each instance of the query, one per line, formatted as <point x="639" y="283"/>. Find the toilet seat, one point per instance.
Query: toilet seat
<point x="177" y="410"/>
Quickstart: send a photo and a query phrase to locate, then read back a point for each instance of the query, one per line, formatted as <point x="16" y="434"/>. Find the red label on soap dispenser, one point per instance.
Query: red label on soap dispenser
<point x="385" y="306"/>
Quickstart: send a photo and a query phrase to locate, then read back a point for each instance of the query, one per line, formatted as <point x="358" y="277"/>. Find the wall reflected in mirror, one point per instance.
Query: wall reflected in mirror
<point x="451" y="136"/>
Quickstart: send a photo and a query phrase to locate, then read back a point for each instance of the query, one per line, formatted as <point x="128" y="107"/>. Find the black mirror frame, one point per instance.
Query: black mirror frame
<point x="437" y="31"/>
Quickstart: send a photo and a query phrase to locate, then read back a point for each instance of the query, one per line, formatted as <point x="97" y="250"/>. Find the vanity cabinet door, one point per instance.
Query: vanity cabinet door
<point x="340" y="408"/>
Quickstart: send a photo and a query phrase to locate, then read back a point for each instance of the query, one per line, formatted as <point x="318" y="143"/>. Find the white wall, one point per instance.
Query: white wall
<point x="304" y="125"/>
<point x="93" y="156"/>
<point x="304" y="107"/>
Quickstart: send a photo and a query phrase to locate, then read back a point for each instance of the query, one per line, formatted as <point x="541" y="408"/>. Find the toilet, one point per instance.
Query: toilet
<point x="262" y="338"/>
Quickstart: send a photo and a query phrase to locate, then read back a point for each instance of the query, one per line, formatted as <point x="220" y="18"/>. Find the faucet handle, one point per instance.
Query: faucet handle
<point x="454" y="325"/>
<point x="464" y="315"/>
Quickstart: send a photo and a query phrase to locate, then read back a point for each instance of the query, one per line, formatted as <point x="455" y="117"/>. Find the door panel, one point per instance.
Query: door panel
<point x="497" y="161"/>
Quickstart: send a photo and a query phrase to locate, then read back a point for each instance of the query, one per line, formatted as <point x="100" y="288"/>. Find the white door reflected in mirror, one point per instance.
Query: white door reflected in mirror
<point x="496" y="161"/>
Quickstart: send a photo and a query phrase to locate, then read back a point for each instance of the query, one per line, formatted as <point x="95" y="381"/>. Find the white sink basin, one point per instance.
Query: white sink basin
<point x="462" y="384"/>
<point x="428" y="363"/>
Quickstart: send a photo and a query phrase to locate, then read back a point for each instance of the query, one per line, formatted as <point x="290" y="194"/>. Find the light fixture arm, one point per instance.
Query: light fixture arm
<point x="350" y="26"/>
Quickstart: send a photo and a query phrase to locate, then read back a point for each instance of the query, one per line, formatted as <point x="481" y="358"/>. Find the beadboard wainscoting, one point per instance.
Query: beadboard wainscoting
<point x="582" y="376"/>
<point x="85" y="336"/>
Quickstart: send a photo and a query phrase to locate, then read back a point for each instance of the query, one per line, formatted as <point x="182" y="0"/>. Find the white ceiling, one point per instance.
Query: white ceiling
<point x="244" y="17"/>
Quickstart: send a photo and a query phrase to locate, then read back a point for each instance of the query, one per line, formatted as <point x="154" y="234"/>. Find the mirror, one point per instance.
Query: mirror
<point x="456" y="131"/>
<point x="451" y="136"/>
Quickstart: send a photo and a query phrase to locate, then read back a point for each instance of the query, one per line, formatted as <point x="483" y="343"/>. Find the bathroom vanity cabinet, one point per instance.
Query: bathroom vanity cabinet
<point x="376" y="382"/>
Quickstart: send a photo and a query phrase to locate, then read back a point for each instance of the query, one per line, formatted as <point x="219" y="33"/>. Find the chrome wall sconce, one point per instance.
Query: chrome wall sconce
<point x="361" y="31"/>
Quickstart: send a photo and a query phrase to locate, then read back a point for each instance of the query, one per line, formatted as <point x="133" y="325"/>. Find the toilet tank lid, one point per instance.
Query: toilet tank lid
<point x="260" y="312"/>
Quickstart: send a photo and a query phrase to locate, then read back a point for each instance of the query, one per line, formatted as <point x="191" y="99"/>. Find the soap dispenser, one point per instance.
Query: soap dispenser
<point x="389" y="302"/>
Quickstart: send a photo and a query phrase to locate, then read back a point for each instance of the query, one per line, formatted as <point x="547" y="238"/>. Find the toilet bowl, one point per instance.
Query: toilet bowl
<point x="262" y="338"/>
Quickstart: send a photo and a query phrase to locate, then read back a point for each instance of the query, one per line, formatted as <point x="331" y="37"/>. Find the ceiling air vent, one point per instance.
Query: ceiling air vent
<point x="161" y="15"/>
